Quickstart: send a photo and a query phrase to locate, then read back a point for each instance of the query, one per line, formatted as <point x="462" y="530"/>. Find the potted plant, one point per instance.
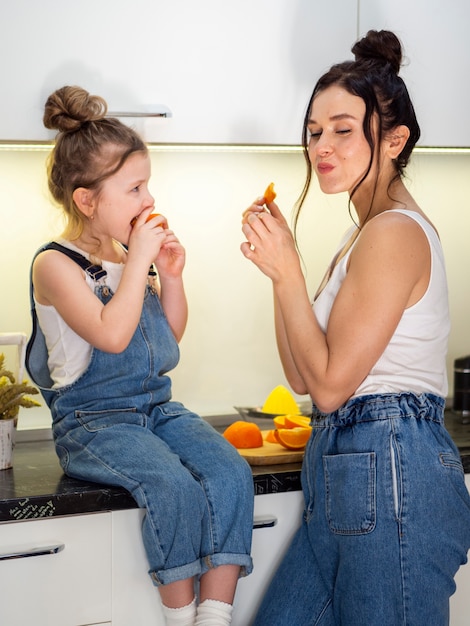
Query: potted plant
<point x="12" y="396"/>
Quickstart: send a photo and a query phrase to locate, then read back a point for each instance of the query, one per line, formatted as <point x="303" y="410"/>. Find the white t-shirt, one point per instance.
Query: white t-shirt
<point x="415" y="358"/>
<point x="69" y="354"/>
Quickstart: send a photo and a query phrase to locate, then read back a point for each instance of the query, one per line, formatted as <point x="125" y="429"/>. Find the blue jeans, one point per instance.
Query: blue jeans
<point x="117" y="425"/>
<point x="386" y="522"/>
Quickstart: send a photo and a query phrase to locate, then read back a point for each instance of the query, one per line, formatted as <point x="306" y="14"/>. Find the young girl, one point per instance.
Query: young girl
<point x="386" y="523"/>
<point x="107" y="334"/>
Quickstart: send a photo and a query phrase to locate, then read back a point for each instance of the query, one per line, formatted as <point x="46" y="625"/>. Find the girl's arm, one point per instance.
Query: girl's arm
<point x="60" y="282"/>
<point x="170" y="263"/>
<point x="389" y="270"/>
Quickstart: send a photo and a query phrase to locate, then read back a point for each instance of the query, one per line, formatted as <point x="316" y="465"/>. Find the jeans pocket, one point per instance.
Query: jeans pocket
<point x="350" y="485"/>
<point x="93" y="421"/>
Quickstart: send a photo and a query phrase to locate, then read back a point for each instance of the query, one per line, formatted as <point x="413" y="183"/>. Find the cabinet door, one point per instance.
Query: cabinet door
<point x="435" y="37"/>
<point x="284" y="512"/>
<point x="230" y="72"/>
<point x="70" y="587"/>
<point x="136" y="600"/>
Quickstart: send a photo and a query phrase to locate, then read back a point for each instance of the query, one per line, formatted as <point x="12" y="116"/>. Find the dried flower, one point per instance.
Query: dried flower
<point x="13" y="394"/>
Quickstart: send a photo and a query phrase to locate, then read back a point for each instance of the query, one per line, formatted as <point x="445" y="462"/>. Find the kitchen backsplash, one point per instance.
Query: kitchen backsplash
<point x="228" y="354"/>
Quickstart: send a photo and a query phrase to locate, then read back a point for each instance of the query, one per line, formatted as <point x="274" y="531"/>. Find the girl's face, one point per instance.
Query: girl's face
<point x="123" y="196"/>
<point x="338" y="149"/>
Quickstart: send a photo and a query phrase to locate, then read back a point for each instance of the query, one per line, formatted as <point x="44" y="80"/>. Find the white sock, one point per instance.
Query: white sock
<point x="214" y="613"/>
<point x="183" y="616"/>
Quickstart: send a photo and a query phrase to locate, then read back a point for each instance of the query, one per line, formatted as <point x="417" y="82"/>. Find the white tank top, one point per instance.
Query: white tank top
<point x="415" y="358"/>
<point x="69" y="354"/>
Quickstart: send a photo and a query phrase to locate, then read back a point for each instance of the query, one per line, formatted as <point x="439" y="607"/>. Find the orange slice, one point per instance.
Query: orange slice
<point x="269" y="194"/>
<point x="244" y="435"/>
<point x="271" y="437"/>
<point x="280" y="421"/>
<point x="293" y="421"/>
<point x="293" y="438"/>
<point x="148" y="218"/>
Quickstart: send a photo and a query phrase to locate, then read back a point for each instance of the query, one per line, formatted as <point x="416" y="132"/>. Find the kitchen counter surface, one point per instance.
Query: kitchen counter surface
<point x="36" y="486"/>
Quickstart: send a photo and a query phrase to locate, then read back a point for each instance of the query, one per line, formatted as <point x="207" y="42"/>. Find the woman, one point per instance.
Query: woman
<point x="106" y="335"/>
<point x="387" y="514"/>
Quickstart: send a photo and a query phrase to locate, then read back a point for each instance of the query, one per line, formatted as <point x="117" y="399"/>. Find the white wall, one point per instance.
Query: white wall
<point x="228" y="353"/>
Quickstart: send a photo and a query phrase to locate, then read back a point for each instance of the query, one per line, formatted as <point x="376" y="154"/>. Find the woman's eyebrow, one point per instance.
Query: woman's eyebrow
<point x="336" y="117"/>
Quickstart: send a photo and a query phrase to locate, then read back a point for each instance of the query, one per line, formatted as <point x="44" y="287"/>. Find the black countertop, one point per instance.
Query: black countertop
<point x="36" y="487"/>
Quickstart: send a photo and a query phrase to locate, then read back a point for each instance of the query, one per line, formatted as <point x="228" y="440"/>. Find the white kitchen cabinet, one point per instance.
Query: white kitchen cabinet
<point x="70" y="587"/>
<point x="435" y="37"/>
<point x="230" y="72"/>
<point x="136" y="600"/>
<point x="269" y="546"/>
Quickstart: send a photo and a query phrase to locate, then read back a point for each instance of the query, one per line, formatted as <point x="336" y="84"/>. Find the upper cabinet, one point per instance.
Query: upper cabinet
<point x="435" y="37"/>
<point x="229" y="72"/>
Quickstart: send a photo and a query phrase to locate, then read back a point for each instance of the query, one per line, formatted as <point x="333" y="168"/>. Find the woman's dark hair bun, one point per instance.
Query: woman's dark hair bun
<point x="68" y="108"/>
<point x="379" y="46"/>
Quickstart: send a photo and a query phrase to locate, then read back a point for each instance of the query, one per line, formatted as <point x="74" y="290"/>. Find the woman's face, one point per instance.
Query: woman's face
<point x="337" y="148"/>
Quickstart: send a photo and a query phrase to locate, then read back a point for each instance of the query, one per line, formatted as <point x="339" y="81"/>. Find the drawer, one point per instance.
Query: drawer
<point x="56" y="571"/>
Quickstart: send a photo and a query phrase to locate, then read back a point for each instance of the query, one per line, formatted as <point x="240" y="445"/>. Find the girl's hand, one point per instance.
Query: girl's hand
<point x="147" y="236"/>
<point x="171" y="257"/>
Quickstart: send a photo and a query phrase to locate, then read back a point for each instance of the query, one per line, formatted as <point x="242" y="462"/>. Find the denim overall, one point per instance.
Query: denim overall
<point x="386" y="523"/>
<point x="116" y="424"/>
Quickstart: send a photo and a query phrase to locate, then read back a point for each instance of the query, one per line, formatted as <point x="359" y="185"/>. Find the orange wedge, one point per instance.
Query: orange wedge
<point x="269" y="194"/>
<point x="280" y="421"/>
<point x="148" y="218"/>
<point x="244" y="435"/>
<point x="271" y="437"/>
<point x="293" y="421"/>
<point x="293" y="438"/>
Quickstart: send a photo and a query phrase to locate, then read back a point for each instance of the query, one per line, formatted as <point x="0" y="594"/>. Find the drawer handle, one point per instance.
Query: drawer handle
<point x="38" y="551"/>
<point x="264" y="521"/>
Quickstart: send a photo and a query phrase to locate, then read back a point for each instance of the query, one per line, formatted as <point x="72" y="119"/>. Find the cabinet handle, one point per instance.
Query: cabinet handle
<point x="264" y="521"/>
<point x="38" y="551"/>
<point x="160" y="111"/>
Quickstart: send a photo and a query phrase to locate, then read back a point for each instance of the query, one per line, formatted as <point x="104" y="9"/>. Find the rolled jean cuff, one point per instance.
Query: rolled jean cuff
<point x="167" y="576"/>
<point x="201" y="566"/>
<point x="215" y="560"/>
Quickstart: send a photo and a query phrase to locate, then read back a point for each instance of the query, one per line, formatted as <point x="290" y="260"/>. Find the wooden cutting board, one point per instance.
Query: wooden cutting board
<point x="271" y="454"/>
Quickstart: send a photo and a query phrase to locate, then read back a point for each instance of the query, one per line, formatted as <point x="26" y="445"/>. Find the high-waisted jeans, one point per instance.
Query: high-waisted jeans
<point x="386" y="522"/>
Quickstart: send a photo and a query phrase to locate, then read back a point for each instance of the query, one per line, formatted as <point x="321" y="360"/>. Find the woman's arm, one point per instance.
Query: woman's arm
<point x="288" y="362"/>
<point x="388" y="271"/>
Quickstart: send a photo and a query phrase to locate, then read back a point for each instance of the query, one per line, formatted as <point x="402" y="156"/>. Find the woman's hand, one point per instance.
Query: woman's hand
<point x="270" y="244"/>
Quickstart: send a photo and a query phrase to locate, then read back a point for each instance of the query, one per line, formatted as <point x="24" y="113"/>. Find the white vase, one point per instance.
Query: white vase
<point x="7" y="443"/>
